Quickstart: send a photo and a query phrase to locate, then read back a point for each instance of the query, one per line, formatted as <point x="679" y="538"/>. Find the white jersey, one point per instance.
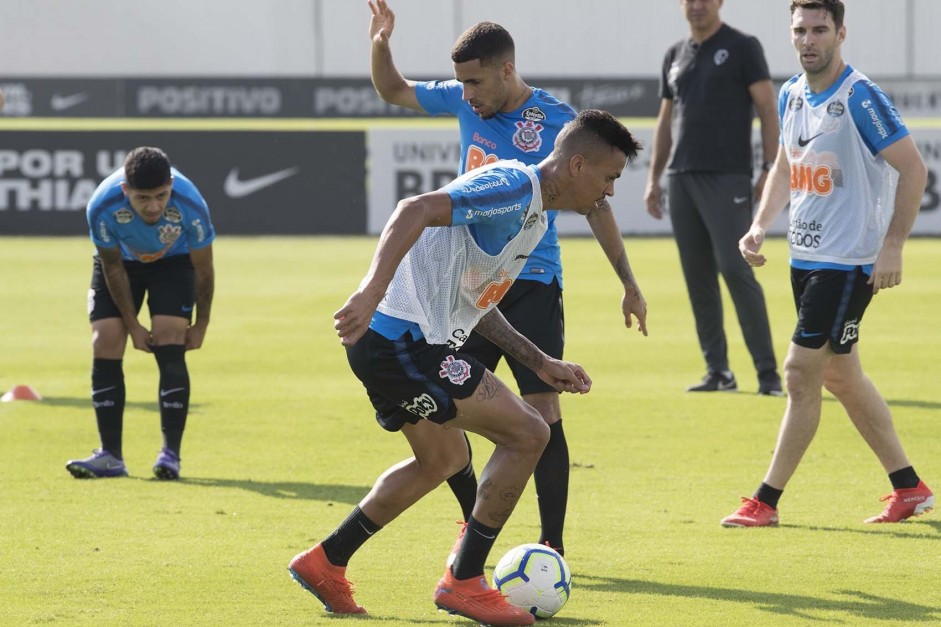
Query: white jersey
<point x="842" y="190"/>
<point x="446" y="282"/>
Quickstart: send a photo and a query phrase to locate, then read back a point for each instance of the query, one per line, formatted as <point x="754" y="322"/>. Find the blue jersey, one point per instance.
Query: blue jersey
<point x="526" y="134"/>
<point x="184" y="225"/>
<point x="492" y="204"/>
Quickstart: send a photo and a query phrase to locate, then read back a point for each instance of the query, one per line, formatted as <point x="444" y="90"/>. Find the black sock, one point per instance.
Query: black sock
<point x="904" y="478"/>
<point x="348" y="537"/>
<point x="174" y="393"/>
<point x="552" y="487"/>
<point x="768" y="495"/>
<point x="464" y="484"/>
<point x="107" y="397"/>
<point x="478" y="540"/>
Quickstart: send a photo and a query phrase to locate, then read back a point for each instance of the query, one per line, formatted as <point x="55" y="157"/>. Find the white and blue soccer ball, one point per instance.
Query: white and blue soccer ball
<point x="535" y="578"/>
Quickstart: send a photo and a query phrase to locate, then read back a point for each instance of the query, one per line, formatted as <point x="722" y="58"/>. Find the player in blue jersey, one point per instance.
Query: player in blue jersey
<point x="842" y="146"/>
<point x="404" y="328"/>
<point x="501" y="117"/>
<point x="153" y="235"/>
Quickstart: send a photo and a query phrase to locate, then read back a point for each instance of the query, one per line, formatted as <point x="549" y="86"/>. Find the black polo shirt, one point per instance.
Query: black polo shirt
<point x="712" y="109"/>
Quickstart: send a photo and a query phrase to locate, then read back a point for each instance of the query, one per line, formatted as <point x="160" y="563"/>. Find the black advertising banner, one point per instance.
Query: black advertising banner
<point x="256" y="183"/>
<point x="352" y="97"/>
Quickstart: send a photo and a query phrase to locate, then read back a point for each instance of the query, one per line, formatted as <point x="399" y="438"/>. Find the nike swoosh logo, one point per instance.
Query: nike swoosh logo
<point x="166" y="392"/>
<point x="61" y="103"/>
<point x="803" y="142"/>
<point x="368" y="532"/>
<point x="483" y="535"/>
<point x="94" y="392"/>
<point x="187" y="309"/>
<point x="235" y="187"/>
<point x="739" y="199"/>
<point x="806" y="334"/>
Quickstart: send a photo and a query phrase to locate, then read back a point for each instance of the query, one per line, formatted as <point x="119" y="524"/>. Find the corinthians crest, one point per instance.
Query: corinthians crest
<point x="527" y="136"/>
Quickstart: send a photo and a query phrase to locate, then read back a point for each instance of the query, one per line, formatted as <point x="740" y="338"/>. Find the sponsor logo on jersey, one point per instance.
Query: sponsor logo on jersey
<point x="200" y="231"/>
<point x="480" y="139"/>
<point x="534" y="114"/>
<point x="876" y="120"/>
<point x="172" y="214"/>
<point x="531" y="221"/>
<point x="457" y="371"/>
<point x="485" y="185"/>
<point x="850" y="331"/>
<point x="805" y="234"/>
<point x="123" y="215"/>
<point x="495" y="211"/>
<point x="721" y="56"/>
<point x="527" y="136"/>
<point x="422" y="406"/>
<point x="477" y="157"/>
<point x="169" y="233"/>
<point x="835" y="109"/>
<point x="796" y="103"/>
<point x="103" y="231"/>
<point x="811" y="179"/>
<point x="803" y="142"/>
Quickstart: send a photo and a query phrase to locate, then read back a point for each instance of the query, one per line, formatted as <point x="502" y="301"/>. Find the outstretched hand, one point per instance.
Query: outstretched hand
<point x="565" y="376"/>
<point x="382" y="22"/>
<point x="633" y="303"/>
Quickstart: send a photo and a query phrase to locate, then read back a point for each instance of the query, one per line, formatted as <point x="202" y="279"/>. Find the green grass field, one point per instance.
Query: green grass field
<point x="281" y="443"/>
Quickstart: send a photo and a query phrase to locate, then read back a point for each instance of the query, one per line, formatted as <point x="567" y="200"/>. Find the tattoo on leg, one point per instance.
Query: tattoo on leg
<point x="489" y="387"/>
<point x="499" y="518"/>
<point x="483" y="490"/>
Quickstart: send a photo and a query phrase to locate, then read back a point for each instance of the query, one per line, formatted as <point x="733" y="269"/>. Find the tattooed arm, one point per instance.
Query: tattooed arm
<point x="562" y="375"/>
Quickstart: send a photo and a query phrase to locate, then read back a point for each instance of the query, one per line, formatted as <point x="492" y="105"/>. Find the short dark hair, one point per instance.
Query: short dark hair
<point x="146" y="167"/>
<point x="486" y="41"/>
<point x="835" y="8"/>
<point x="594" y="128"/>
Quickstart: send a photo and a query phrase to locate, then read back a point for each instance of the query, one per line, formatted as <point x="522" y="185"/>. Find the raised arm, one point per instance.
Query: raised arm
<point x="563" y="376"/>
<point x="606" y="231"/>
<point x="386" y="78"/>
<point x="904" y="157"/>
<point x="403" y="229"/>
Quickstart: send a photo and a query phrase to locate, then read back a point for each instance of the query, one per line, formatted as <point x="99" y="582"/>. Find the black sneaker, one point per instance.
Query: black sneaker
<point x="769" y="384"/>
<point x="715" y="382"/>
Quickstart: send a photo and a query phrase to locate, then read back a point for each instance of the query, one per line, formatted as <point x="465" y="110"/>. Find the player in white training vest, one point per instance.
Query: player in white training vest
<point x="444" y="261"/>
<point x="842" y="143"/>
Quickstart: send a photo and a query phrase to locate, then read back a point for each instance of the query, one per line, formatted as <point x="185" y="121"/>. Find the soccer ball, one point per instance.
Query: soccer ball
<point x="535" y="578"/>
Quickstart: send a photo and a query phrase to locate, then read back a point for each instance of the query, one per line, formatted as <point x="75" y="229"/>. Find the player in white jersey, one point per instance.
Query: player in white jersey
<point x="842" y="146"/>
<point x="443" y="263"/>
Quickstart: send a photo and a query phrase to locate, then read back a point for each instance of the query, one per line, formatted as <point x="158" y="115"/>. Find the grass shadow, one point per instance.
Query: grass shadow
<point x="293" y="490"/>
<point x="898" y="402"/>
<point x="923" y="529"/>
<point x="857" y="604"/>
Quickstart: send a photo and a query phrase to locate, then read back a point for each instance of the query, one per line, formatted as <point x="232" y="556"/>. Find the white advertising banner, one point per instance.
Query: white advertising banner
<point x="408" y="161"/>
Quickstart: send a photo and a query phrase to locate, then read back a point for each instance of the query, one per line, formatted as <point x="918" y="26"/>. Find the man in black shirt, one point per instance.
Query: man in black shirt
<point x="709" y="84"/>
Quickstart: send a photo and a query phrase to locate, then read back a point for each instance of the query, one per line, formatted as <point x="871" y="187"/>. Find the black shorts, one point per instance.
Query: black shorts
<point x="535" y="310"/>
<point x="409" y="379"/>
<point x="830" y="306"/>
<point x="170" y="284"/>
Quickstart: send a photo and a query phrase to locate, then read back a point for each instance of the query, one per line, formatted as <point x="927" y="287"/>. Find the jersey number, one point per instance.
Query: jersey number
<point x="493" y="294"/>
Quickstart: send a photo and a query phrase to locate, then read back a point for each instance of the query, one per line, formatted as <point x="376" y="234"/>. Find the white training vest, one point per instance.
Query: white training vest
<point x="446" y="283"/>
<point x="842" y="196"/>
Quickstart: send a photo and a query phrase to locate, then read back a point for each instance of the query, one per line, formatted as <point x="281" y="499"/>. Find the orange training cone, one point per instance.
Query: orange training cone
<point x="21" y="393"/>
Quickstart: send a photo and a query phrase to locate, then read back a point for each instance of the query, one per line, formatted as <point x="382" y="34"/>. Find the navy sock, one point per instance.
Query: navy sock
<point x="478" y="540"/>
<point x="904" y="478"/>
<point x="348" y="537"/>
<point x="174" y="393"/>
<point x="107" y="397"/>
<point x="552" y="487"/>
<point x="768" y="495"/>
<point x="464" y="484"/>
